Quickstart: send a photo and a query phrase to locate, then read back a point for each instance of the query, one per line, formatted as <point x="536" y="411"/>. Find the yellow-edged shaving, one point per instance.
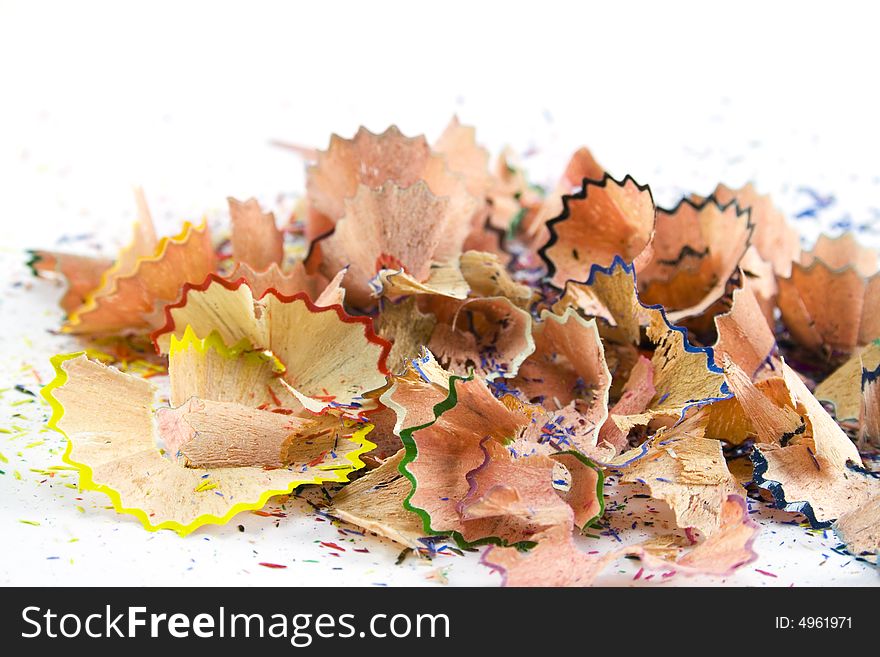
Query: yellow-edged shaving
<point x="110" y="278"/>
<point x="87" y="482"/>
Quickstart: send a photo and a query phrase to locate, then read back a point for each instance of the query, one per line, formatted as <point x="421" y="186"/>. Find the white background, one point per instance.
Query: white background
<point x="183" y="98"/>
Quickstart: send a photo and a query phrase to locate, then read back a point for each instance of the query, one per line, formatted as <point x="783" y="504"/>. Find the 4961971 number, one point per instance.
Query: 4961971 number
<point x="815" y="622"/>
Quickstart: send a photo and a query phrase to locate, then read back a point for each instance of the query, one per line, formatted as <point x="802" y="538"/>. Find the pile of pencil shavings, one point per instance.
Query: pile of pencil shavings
<point x="475" y="355"/>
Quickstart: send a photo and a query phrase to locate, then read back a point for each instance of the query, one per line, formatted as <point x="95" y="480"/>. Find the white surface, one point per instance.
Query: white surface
<point x="184" y="97"/>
